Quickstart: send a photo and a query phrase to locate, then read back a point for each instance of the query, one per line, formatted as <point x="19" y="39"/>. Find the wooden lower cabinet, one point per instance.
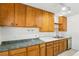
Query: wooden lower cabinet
<point x="62" y="45"/>
<point x="56" y="47"/>
<point x="65" y="44"/>
<point x="49" y="49"/>
<point x="52" y="48"/>
<point x="42" y="49"/>
<point x="56" y="51"/>
<point x="18" y="52"/>
<point x="5" y="53"/>
<point x="33" y="50"/>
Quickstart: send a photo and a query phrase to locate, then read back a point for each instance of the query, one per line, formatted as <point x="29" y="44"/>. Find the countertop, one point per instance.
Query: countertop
<point x="48" y="39"/>
<point x="8" y="45"/>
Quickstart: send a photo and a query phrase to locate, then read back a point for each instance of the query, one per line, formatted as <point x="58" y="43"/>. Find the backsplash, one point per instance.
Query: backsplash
<point x="19" y="33"/>
<point x="43" y="34"/>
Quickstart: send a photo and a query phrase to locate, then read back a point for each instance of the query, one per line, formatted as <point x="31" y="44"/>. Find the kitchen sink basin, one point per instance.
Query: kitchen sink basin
<point x="58" y="37"/>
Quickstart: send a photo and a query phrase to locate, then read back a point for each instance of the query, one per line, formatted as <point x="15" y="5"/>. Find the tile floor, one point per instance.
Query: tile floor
<point x="70" y="52"/>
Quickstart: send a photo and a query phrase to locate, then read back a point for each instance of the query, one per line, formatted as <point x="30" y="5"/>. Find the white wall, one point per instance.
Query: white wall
<point x="17" y="33"/>
<point x="73" y="30"/>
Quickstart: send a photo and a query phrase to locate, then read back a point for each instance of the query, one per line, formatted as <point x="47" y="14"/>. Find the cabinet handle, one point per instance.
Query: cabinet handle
<point x="12" y="23"/>
<point x="16" y="24"/>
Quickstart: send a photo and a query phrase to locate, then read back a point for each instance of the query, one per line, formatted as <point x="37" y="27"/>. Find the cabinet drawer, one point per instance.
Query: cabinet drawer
<point x="16" y="51"/>
<point x="49" y="44"/>
<point x="33" y="47"/>
<point x="61" y="40"/>
<point x="5" y="53"/>
<point x="42" y="45"/>
<point x="20" y="54"/>
<point x="56" y="43"/>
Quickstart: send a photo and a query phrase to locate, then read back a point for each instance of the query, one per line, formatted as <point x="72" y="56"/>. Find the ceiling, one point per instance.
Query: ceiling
<point x="56" y="8"/>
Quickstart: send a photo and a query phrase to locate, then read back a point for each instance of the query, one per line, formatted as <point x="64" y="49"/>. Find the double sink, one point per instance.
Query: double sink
<point x="47" y="39"/>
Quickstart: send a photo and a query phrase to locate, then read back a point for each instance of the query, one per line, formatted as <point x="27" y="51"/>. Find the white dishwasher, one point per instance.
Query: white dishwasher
<point x="69" y="42"/>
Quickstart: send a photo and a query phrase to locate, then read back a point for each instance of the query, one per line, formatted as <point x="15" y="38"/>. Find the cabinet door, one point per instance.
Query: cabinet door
<point x="45" y="22"/>
<point x="30" y="17"/>
<point x="65" y="44"/>
<point x="62" y="23"/>
<point x="33" y="50"/>
<point x="17" y="51"/>
<point x="19" y="14"/>
<point x="42" y="50"/>
<point x="56" y="47"/>
<point x="39" y="18"/>
<point x="49" y="49"/>
<point x="61" y="46"/>
<point x="51" y="22"/>
<point x="5" y="53"/>
<point x="56" y="51"/>
<point x="6" y="14"/>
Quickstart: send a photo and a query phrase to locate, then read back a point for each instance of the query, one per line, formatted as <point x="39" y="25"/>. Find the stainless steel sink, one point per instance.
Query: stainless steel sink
<point x="58" y="37"/>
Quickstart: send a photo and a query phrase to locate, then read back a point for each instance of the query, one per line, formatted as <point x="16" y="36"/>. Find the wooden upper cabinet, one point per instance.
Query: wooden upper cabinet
<point x="45" y="22"/>
<point x="51" y="22"/>
<point x="6" y="14"/>
<point x="30" y="17"/>
<point x="39" y="18"/>
<point x="20" y="14"/>
<point x="62" y="23"/>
